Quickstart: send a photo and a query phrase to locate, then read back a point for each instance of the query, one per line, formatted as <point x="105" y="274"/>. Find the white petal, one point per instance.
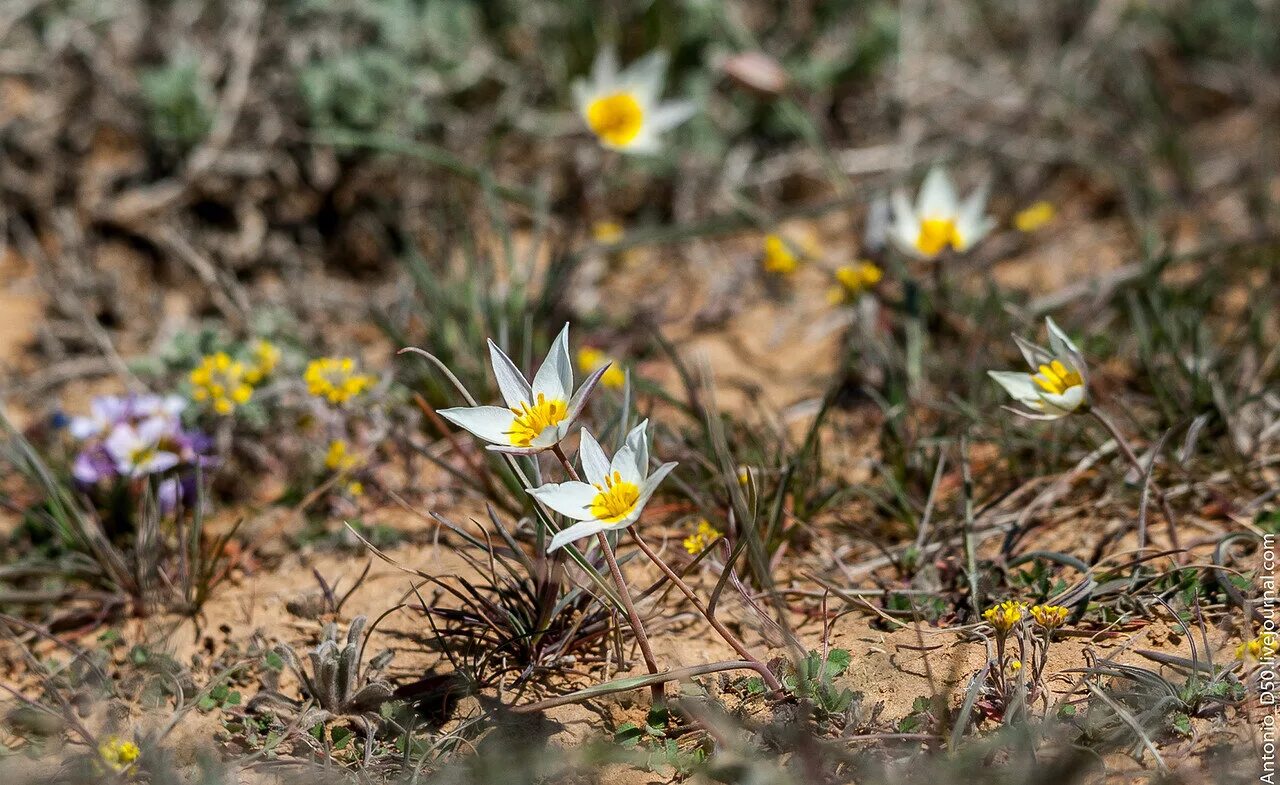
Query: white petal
<point x="575" y="532"/>
<point x="904" y="230"/>
<point x="647" y="142"/>
<point x="515" y="390"/>
<point x="152" y="430"/>
<point x="122" y="441"/>
<point x="579" y="400"/>
<point x="571" y="498"/>
<point x="161" y="461"/>
<point x="594" y="462"/>
<point x="1034" y="355"/>
<point x="937" y="197"/>
<point x="624" y="464"/>
<point x="491" y="423"/>
<point x="1066" y="403"/>
<point x="651" y="485"/>
<point x="972" y="224"/>
<point x="638" y="441"/>
<point x="1058" y="340"/>
<point x="582" y="95"/>
<point x="669" y="114"/>
<point x="555" y="378"/>
<point x="1019" y="385"/>
<point x="646" y="76"/>
<point x="84" y="427"/>
<point x="604" y="71"/>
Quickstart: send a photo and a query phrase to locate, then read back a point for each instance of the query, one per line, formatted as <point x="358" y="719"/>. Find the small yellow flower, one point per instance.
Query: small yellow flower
<point x="1051" y="617"/>
<point x="1015" y="666"/>
<point x="1260" y="649"/>
<point x="852" y="280"/>
<point x="355" y="488"/>
<point x="119" y="754"/>
<point x="220" y="383"/>
<point x="591" y="359"/>
<point x="265" y="358"/>
<point x="780" y="258"/>
<point x="1034" y="217"/>
<point x="1004" y="616"/>
<point x="606" y="232"/>
<point x="338" y="457"/>
<point x="698" y="541"/>
<point x="335" y="379"/>
<point x="744" y="476"/>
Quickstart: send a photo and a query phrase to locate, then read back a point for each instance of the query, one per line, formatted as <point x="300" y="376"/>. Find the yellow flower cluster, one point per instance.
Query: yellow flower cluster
<point x="266" y="356"/>
<point x="698" y="541"/>
<point x="221" y="383"/>
<point x="852" y="280"/>
<point x="118" y="754"/>
<point x="591" y="359"/>
<point x="1005" y="615"/>
<point x="335" y="379"/>
<point x="339" y="458"/>
<point x="1260" y="649"/>
<point x="1051" y="617"/>
<point x="1034" y="217"/>
<point x="780" y="257"/>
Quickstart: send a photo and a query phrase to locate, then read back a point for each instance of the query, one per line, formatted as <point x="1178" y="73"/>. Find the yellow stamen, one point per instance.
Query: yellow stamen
<point x="615" y="499"/>
<point x="936" y="234"/>
<point x="1056" y="378"/>
<point x="616" y="118"/>
<point x="532" y="419"/>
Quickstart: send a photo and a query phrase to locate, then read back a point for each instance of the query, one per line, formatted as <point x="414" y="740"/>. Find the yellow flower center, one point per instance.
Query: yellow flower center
<point x="615" y="499"/>
<point x="1056" y="378"/>
<point x="936" y="234"/>
<point x="616" y="118"/>
<point x="533" y="419"/>
<point x="142" y="455"/>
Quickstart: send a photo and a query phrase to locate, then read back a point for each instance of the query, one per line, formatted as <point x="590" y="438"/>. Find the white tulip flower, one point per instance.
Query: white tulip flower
<point x="615" y="493"/>
<point x="536" y="416"/>
<point x="622" y="108"/>
<point x="939" y="219"/>
<point x="1059" y="385"/>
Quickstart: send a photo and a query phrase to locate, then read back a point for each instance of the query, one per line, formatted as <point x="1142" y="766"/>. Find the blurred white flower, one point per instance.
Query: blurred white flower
<point x="137" y="450"/>
<point x="939" y="220"/>
<point x="536" y="416"/>
<point x="622" y="108"/>
<point x="615" y="492"/>
<point x="1059" y="385"/>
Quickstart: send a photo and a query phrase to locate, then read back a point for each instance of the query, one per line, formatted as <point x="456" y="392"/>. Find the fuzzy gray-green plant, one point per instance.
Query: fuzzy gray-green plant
<point x="336" y="684"/>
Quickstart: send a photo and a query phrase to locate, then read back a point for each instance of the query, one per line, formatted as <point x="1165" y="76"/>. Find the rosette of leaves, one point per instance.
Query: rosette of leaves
<point x="335" y="685"/>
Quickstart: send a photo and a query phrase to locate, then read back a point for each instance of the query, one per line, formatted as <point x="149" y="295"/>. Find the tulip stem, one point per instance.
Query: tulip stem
<point x="729" y="637"/>
<point x="637" y="626"/>
<point x="1143" y="471"/>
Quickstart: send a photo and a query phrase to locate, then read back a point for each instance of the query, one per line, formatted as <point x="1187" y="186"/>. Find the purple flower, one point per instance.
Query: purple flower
<point x="93" y="465"/>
